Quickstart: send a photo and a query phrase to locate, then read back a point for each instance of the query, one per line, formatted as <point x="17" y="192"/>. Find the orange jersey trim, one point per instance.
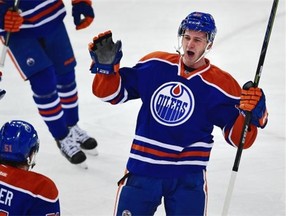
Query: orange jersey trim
<point x="170" y="155"/>
<point x="44" y="13"/>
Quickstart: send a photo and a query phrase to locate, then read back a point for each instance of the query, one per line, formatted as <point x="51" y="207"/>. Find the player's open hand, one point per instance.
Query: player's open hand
<point x="105" y="54"/>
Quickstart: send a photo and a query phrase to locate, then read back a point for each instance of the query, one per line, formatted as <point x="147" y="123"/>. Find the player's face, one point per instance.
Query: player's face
<point x="194" y="44"/>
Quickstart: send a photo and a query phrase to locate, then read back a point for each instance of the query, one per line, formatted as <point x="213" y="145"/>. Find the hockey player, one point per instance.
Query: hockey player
<point x="183" y="97"/>
<point x="23" y="192"/>
<point x="41" y="51"/>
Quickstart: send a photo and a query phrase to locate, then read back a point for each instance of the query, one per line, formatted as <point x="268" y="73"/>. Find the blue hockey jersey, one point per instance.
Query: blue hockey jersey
<point x="179" y="110"/>
<point x="27" y="193"/>
<point x="39" y="15"/>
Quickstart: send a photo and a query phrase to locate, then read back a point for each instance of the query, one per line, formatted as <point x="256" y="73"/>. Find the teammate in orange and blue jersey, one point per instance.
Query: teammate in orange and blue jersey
<point x="41" y="50"/>
<point x="23" y="192"/>
<point x="183" y="97"/>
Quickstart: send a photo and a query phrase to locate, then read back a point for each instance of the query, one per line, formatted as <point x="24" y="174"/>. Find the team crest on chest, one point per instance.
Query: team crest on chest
<point x="172" y="104"/>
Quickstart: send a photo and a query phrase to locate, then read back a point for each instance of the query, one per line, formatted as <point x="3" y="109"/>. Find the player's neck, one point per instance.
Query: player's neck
<point x="188" y="69"/>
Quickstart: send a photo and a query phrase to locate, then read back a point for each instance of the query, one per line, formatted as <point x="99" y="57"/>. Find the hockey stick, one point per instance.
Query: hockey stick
<point x="248" y="114"/>
<point x="6" y="42"/>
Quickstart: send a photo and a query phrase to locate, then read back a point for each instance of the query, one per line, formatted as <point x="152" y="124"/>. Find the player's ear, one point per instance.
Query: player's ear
<point x="210" y="46"/>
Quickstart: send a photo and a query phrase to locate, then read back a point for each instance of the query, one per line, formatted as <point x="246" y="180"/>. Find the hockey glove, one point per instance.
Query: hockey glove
<point x="12" y="21"/>
<point x="253" y="100"/>
<point x="105" y="54"/>
<point x="82" y="8"/>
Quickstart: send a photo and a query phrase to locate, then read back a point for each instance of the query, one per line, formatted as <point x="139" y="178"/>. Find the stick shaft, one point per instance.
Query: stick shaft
<point x="265" y="43"/>
<point x="248" y="115"/>
<point x="3" y="55"/>
<point x="256" y="82"/>
<point x="229" y="194"/>
<point x="7" y="38"/>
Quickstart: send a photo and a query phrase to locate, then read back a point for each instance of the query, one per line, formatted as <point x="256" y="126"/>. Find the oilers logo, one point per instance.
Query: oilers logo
<point x="172" y="104"/>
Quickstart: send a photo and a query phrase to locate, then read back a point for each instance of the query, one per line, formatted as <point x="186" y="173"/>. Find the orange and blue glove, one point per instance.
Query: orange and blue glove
<point x="82" y="8"/>
<point x="12" y="21"/>
<point x="105" y="54"/>
<point x="253" y="100"/>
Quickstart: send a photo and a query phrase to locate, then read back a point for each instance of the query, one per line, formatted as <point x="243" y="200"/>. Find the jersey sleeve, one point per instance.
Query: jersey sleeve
<point x="226" y="115"/>
<point x="122" y="86"/>
<point x="116" y="88"/>
<point x="233" y="134"/>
